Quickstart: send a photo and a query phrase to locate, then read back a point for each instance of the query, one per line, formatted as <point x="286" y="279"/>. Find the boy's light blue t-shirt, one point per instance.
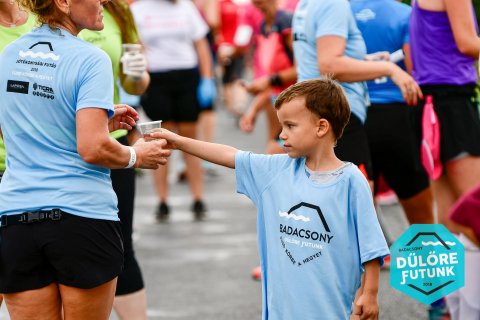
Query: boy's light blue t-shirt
<point x="313" y="239"/>
<point x="384" y="27"/>
<point x="314" y="19"/>
<point x="47" y="76"/>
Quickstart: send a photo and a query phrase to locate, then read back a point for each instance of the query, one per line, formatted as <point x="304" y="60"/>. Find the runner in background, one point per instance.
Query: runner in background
<point x="210" y="11"/>
<point x="232" y="63"/>
<point x="180" y="64"/>
<point x="119" y="28"/>
<point x="445" y="47"/>
<point x="389" y="126"/>
<point x="464" y="303"/>
<point x="328" y="42"/>
<point x="275" y="70"/>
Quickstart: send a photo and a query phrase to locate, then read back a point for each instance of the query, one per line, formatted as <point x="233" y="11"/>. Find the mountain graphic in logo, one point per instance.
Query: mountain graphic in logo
<point x="294" y="214"/>
<point x="40" y="54"/>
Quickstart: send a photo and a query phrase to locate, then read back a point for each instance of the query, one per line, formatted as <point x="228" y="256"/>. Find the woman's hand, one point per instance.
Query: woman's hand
<point x="124" y="117"/>
<point x="151" y="154"/>
<point x="134" y="65"/>
<point x="410" y="89"/>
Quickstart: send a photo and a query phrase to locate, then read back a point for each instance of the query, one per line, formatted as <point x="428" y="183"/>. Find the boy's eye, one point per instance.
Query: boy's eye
<point x="290" y="126"/>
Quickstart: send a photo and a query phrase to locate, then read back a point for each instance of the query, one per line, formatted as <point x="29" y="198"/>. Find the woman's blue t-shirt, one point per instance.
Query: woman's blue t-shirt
<point x="314" y="19"/>
<point x="47" y="76"/>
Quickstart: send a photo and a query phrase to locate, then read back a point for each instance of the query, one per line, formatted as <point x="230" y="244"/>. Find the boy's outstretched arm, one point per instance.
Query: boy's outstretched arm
<point x="213" y="152"/>
<point x="366" y="302"/>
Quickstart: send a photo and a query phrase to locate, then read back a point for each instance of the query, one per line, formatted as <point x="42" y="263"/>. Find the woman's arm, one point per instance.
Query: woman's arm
<point x="95" y="145"/>
<point x="408" y="58"/>
<point x="135" y="86"/>
<point x="205" y="61"/>
<point x="332" y="61"/>
<point x="461" y="20"/>
<point x="211" y="13"/>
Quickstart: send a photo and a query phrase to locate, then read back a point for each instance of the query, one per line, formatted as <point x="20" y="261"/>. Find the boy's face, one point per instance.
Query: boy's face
<point x="300" y="128"/>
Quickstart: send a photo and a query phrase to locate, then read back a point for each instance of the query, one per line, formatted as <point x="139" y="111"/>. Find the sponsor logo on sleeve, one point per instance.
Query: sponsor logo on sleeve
<point x="17" y="86"/>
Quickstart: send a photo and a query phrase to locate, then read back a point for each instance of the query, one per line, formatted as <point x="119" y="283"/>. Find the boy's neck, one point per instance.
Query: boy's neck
<point x="323" y="159"/>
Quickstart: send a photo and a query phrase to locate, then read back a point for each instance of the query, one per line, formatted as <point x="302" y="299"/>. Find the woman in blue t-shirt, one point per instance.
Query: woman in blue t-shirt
<point x="61" y="248"/>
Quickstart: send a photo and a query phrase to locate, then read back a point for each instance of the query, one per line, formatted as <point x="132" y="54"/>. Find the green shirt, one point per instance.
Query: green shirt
<point x="8" y="35"/>
<point x="109" y="40"/>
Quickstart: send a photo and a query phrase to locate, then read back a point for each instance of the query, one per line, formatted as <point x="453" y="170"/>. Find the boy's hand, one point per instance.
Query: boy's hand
<point x="366" y="307"/>
<point x="169" y="136"/>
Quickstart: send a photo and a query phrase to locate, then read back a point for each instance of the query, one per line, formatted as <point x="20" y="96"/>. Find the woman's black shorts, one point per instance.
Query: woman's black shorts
<point x="395" y="150"/>
<point x="457" y="111"/>
<point x="74" y="251"/>
<point x="353" y="146"/>
<point x="172" y="96"/>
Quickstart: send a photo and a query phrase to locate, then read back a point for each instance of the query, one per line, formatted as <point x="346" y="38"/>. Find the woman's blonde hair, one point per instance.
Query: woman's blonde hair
<point x="45" y="10"/>
<point x="120" y="11"/>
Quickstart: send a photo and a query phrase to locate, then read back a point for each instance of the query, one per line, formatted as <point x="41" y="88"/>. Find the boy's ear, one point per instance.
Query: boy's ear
<point x="323" y="126"/>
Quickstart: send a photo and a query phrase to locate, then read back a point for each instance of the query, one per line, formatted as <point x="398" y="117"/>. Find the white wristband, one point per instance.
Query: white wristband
<point x="133" y="158"/>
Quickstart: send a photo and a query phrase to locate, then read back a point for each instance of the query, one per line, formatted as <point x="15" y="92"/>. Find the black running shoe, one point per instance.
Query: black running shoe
<point x="199" y="209"/>
<point x="163" y="212"/>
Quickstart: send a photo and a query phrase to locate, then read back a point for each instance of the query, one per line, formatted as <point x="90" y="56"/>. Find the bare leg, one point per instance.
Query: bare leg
<point x="461" y="175"/>
<point x="41" y="304"/>
<point x="445" y="197"/>
<point x="192" y="163"/>
<point x="92" y="304"/>
<point x="131" y="306"/>
<point x="419" y="208"/>
<point x="228" y="97"/>
<point x="239" y="98"/>
<point x="207" y="123"/>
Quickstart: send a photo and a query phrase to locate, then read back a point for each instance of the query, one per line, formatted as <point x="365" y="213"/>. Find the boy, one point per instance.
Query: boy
<point x="317" y="227"/>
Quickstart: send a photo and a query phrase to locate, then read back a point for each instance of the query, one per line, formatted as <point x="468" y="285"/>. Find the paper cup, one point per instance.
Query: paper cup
<point x="146" y="127"/>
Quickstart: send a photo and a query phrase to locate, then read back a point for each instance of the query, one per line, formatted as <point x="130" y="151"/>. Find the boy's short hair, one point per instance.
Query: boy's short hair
<point x="324" y="98"/>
